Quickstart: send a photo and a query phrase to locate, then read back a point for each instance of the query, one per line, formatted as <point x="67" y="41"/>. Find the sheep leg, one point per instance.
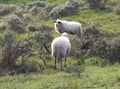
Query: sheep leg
<point x="61" y="65"/>
<point x="66" y="58"/>
<point x="65" y="62"/>
<point x="55" y="63"/>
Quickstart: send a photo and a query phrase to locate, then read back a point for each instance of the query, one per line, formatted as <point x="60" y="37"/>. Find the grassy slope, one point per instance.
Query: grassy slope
<point x="93" y="77"/>
<point x="107" y="20"/>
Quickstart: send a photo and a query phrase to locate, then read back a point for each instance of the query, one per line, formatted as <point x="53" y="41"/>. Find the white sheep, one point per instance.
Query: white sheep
<point x="70" y="27"/>
<point x="60" y="47"/>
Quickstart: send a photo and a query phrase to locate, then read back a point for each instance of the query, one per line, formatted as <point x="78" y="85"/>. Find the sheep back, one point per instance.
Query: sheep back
<point x="70" y="27"/>
<point x="60" y="46"/>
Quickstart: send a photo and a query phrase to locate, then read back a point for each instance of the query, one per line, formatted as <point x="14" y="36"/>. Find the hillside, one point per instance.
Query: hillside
<point x="26" y="33"/>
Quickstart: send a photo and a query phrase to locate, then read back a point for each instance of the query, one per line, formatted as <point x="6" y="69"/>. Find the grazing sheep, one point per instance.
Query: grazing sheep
<point x="60" y="47"/>
<point x="70" y="27"/>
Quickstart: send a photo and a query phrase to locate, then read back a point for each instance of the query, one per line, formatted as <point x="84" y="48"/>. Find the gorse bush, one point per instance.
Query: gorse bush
<point x="14" y="23"/>
<point x="96" y="43"/>
<point x="91" y="35"/>
<point x="43" y="39"/>
<point x="69" y="8"/>
<point x="12" y="50"/>
<point x="97" y="4"/>
<point x="22" y="50"/>
<point x="6" y="9"/>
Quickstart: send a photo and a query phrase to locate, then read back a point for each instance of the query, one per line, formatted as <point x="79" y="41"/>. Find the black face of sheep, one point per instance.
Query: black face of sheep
<point x="58" y="26"/>
<point x="60" y="48"/>
<point x="57" y="22"/>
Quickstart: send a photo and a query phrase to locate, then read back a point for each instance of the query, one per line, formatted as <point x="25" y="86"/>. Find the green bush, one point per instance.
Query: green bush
<point x="43" y="39"/>
<point x="12" y="50"/>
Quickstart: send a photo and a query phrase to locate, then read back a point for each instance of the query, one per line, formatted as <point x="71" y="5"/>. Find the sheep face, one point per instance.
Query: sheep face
<point x="58" y="26"/>
<point x="65" y="34"/>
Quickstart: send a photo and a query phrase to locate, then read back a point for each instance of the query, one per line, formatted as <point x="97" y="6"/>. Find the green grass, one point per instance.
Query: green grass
<point x="93" y="77"/>
<point x="19" y="2"/>
<point x="55" y="1"/>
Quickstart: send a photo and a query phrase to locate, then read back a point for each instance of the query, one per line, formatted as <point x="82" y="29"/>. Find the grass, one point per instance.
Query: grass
<point x="101" y="77"/>
<point x="93" y="77"/>
<point x="55" y="2"/>
<point x="19" y="2"/>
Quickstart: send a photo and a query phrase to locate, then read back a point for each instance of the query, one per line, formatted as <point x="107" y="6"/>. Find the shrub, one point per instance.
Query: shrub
<point x="6" y="9"/>
<point x="96" y="43"/>
<point x="69" y="8"/>
<point x="97" y="4"/>
<point x="27" y="66"/>
<point x="32" y="28"/>
<point x="12" y="50"/>
<point x="37" y="3"/>
<point x="117" y="9"/>
<point x="1" y="42"/>
<point x="91" y="36"/>
<point x="76" y="48"/>
<point x="14" y="23"/>
<point x="2" y="28"/>
<point x="49" y="7"/>
<point x="99" y="44"/>
<point x="43" y="40"/>
<point x="113" y="50"/>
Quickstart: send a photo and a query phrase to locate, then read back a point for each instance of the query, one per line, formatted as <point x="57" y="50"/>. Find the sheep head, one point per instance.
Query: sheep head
<point x="64" y="34"/>
<point x="58" y="26"/>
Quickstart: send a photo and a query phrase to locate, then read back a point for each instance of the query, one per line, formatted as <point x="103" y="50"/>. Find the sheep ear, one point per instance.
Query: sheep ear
<point x="59" y="22"/>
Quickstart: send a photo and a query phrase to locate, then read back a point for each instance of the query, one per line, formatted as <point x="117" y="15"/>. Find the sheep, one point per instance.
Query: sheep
<point x="70" y="27"/>
<point x="60" y="48"/>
